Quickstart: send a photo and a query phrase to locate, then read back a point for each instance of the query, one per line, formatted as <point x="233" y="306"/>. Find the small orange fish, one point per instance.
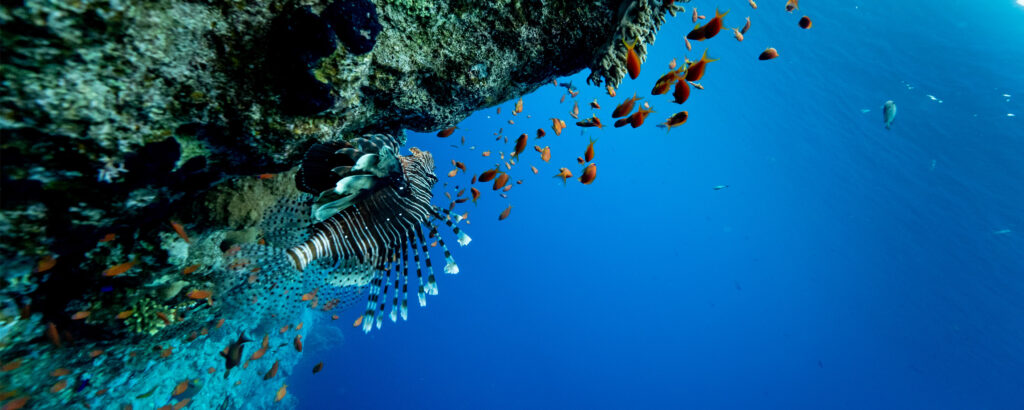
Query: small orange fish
<point x="697" y="86"/>
<point x="298" y="326"/>
<point x="16" y="403"/>
<point x="182" y="403"/>
<point x="588" y="155"/>
<point x="59" y="386"/>
<point x="298" y="343"/>
<point x="579" y="160"/>
<point x="805" y="22"/>
<point x="736" y="33"/>
<point x="199" y="294"/>
<point x="595" y="105"/>
<point x="166" y="352"/>
<point x="768" y="54"/>
<point x="611" y="90"/>
<point x="120" y="268"/>
<point x="507" y="188"/>
<point x="665" y="82"/>
<point x="211" y="370"/>
<point x="575" y="113"/>
<point x="753" y="5"/>
<point x="695" y="15"/>
<point x="273" y="371"/>
<point x="589" y="174"/>
<point x="498" y="111"/>
<point x="505" y="213"/>
<point x="520" y="146"/>
<point x="499" y="182"/>
<point x="452" y="173"/>
<point x="676" y="120"/>
<point x="486" y="153"/>
<point x="626" y="107"/>
<point x="181" y="231"/>
<point x="63" y="371"/>
<point x="534" y="169"/>
<point x="637" y="119"/>
<point x="745" y="27"/>
<point x="219" y="323"/>
<point x="266" y="340"/>
<point x="189" y="269"/>
<point x="632" y="60"/>
<point x="461" y="166"/>
<point x="540" y="133"/>
<point x="488" y="175"/>
<point x="46" y="263"/>
<point x="108" y="237"/>
<point x="519" y="107"/>
<point x="590" y="122"/>
<point x="564" y="173"/>
<point x="689" y="47"/>
<point x="672" y="64"/>
<point x="180" y="388"/>
<point x="359" y="321"/>
<point x="511" y="122"/>
<point x="266" y="176"/>
<point x="101" y="392"/>
<point x="12" y="365"/>
<point x="285" y="328"/>
<point x="51" y="333"/>
<point x="475" y="193"/>
<point x="545" y="155"/>
<point x="682" y="91"/>
<point x="163" y="317"/>
<point x="714" y="25"/>
<point x="562" y="100"/>
<point x="280" y="393"/>
<point x="696" y="70"/>
<point x="557" y="125"/>
<point x="80" y="315"/>
<point x="258" y="353"/>
<point x="95" y="353"/>
<point x="318" y="367"/>
<point x="792" y="5"/>
<point x="447" y="132"/>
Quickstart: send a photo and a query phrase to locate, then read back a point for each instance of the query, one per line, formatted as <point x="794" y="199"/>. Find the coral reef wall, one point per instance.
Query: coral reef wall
<point x="141" y="141"/>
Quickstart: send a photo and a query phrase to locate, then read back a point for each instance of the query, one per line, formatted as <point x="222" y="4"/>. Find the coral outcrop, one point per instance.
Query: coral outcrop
<point x="142" y="142"/>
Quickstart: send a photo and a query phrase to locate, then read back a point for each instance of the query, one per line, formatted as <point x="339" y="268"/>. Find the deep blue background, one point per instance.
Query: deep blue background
<point x="837" y="241"/>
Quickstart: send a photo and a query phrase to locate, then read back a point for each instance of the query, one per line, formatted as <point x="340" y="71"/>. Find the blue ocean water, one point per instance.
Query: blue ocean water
<point x="845" y="266"/>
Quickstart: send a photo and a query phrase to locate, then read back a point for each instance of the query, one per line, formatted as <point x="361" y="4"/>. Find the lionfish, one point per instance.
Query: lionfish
<point x="371" y="215"/>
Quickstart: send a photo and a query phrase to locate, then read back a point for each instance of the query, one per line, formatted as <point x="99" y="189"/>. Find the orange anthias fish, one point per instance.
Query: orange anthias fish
<point x="714" y="25"/>
<point x="736" y="33"/>
<point x="590" y="122"/>
<point x="545" y="154"/>
<point x="805" y="22"/>
<point x="792" y="5"/>
<point x="611" y="90"/>
<point x="665" y="82"/>
<point x="676" y="120"/>
<point x="266" y="176"/>
<point x="696" y="70"/>
<point x="298" y="343"/>
<point x="318" y="367"/>
<point x="768" y="54"/>
<point x="575" y="113"/>
<point x="500" y="181"/>
<point x="753" y="5"/>
<point x="588" y="155"/>
<point x="108" y="237"/>
<point x="589" y="174"/>
<point x="745" y="27"/>
<point x="11" y="365"/>
<point x="505" y="213"/>
<point x="519" y="107"/>
<point x="564" y="173"/>
<point x="476" y="194"/>
<point x="358" y="321"/>
<point x="16" y="403"/>
<point x="46" y="263"/>
<point x="59" y="386"/>
<point x="190" y="269"/>
<point x="51" y="333"/>
<point x="273" y="370"/>
<point x="181" y="231"/>
<point x="125" y="314"/>
<point x="488" y="175"/>
<point x="556" y="124"/>
<point x="626" y="107"/>
<point x="637" y="119"/>
<point x="63" y="371"/>
<point x="682" y="92"/>
<point x="281" y="392"/>
<point x="534" y="169"/>
<point x="80" y="315"/>
<point x="595" y="105"/>
<point x="632" y="60"/>
<point x="540" y="133"/>
<point x="180" y="388"/>
<point x="447" y="132"/>
<point x="672" y="64"/>
<point x="199" y="294"/>
<point x="120" y="268"/>
<point x="520" y="146"/>
<point x="182" y="403"/>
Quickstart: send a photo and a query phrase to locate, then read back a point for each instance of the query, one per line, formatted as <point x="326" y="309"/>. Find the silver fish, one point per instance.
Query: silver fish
<point x="889" y="113"/>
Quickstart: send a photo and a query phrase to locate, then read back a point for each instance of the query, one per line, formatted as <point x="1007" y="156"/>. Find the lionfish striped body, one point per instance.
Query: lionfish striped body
<point x="364" y="244"/>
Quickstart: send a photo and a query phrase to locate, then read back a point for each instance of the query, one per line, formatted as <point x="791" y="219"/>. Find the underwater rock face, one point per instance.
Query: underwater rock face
<point x="144" y="140"/>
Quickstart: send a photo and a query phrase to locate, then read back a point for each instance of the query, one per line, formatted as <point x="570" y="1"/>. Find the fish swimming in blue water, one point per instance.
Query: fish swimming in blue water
<point x="889" y="113"/>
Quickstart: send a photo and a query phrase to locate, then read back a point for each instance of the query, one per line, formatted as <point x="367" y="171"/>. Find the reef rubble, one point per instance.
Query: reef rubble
<point x="141" y="141"/>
